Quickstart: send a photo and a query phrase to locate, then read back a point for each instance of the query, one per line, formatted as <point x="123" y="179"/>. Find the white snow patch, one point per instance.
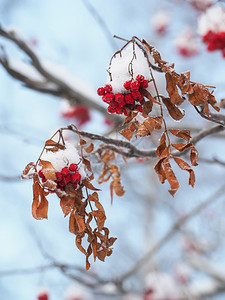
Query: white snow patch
<point x="63" y="158"/>
<point x="213" y="19"/>
<point x="120" y="67"/>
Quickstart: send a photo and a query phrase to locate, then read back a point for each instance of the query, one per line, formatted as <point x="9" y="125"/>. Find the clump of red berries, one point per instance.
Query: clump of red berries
<point x="215" y="41"/>
<point x="80" y="113"/>
<point x="118" y="103"/>
<point x="67" y="175"/>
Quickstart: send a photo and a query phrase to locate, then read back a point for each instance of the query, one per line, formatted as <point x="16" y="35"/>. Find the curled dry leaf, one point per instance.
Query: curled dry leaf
<point x="171" y="87"/>
<point x="40" y="203"/>
<point x="185" y="166"/>
<point x="128" y="131"/>
<point x="47" y="169"/>
<point x="173" y="110"/>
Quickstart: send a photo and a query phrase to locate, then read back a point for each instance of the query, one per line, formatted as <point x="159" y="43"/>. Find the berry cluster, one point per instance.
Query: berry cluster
<point x="215" y="41"/>
<point x="80" y="113"/>
<point x="67" y="175"/>
<point x="130" y="99"/>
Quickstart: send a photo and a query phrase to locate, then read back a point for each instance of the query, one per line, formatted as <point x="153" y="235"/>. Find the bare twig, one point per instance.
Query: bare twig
<point x="132" y="151"/>
<point x="171" y="232"/>
<point x="101" y="22"/>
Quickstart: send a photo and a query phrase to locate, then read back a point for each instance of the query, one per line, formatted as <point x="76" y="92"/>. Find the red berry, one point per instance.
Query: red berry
<point x="108" y="97"/>
<point x="41" y="174"/>
<point x="73" y="167"/>
<point x="111" y="110"/>
<point x="58" y="176"/>
<point x="120" y="99"/>
<point x="127" y="84"/>
<point x="43" y="296"/>
<point x="137" y="96"/>
<point x="129" y="99"/>
<point x="101" y="91"/>
<point x="144" y="84"/>
<point x="65" y="171"/>
<point x="75" y="185"/>
<point x="76" y="177"/>
<point x="108" y="88"/>
<point x="62" y="183"/>
<point x="139" y="108"/>
<point x="134" y="86"/>
<point x="67" y="178"/>
<point x="140" y="78"/>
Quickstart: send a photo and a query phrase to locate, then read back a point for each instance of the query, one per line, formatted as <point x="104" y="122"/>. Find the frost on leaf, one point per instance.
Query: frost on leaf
<point x="62" y="170"/>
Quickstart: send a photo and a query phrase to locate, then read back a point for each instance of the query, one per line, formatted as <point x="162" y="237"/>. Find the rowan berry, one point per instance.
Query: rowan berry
<point x="108" y="88"/>
<point x="137" y="96"/>
<point x="76" y="177"/>
<point x="139" y="108"/>
<point x="144" y="84"/>
<point x="127" y="84"/>
<point x="73" y="167"/>
<point x="101" y="91"/>
<point x="65" y="171"/>
<point x="129" y="99"/>
<point x="58" y="176"/>
<point x="134" y="86"/>
<point x="140" y="78"/>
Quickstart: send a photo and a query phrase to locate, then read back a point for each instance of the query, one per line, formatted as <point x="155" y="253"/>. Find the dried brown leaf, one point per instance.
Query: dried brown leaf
<point x="171" y="87"/>
<point x="47" y="169"/>
<point x="89" y="185"/>
<point x="40" y="203"/>
<point x="194" y="156"/>
<point x="184" y="134"/>
<point x="67" y="204"/>
<point x="173" y="110"/>
<point x="128" y="131"/>
<point x="146" y="94"/>
<point x="181" y="147"/>
<point x="170" y="176"/>
<point x="90" y="148"/>
<point x="185" y="166"/>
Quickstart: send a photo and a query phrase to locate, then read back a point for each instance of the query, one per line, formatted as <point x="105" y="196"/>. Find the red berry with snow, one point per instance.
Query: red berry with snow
<point x="127" y="84"/>
<point x="108" y="88"/>
<point x="101" y="91"/>
<point x="65" y="171"/>
<point x="73" y="167"/>
<point x="76" y="177"/>
<point x="140" y="78"/>
<point x="134" y="86"/>
<point x="144" y="84"/>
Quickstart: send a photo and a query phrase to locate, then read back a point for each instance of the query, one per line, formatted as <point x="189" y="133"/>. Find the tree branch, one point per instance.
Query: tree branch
<point x="61" y="89"/>
<point x="171" y="232"/>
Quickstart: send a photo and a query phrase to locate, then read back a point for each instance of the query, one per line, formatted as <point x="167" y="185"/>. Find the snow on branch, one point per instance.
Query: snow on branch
<point x="45" y="80"/>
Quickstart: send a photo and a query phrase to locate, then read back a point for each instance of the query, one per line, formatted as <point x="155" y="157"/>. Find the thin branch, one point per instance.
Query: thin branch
<point x="132" y="151"/>
<point x="9" y="178"/>
<point x="101" y="22"/>
<point x="171" y="232"/>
